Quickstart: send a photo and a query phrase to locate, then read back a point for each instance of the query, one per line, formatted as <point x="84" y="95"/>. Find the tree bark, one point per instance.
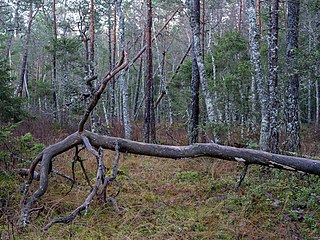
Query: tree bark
<point x="259" y="15"/>
<point x="317" y="105"/>
<point x="92" y="36"/>
<point x="292" y="88"/>
<point x="194" y="8"/>
<point x="54" y="63"/>
<point x="273" y="74"/>
<point x="122" y="81"/>
<point x="240" y="15"/>
<point x="25" y="54"/>
<point x="149" y="131"/>
<point x="262" y="85"/>
<point x="195" y="107"/>
<point x="113" y="81"/>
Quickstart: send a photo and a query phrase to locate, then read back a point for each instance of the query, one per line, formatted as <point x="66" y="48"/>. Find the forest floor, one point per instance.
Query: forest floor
<point x="172" y="199"/>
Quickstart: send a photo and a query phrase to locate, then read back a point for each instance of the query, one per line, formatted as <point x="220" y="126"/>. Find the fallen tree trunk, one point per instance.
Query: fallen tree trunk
<point x="95" y="141"/>
<point x="247" y="156"/>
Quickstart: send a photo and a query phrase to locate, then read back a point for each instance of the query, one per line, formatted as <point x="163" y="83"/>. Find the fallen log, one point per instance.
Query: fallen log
<point x="96" y="141"/>
<point x="246" y="156"/>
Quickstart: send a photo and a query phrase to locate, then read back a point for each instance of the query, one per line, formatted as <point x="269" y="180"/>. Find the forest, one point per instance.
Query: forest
<point x="181" y="119"/>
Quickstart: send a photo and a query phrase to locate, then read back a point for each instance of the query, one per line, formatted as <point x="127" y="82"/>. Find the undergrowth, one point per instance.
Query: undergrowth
<point x="171" y="199"/>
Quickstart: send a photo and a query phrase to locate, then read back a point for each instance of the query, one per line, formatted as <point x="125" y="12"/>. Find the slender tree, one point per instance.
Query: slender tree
<point x="317" y="105"/>
<point x="240" y="15"/>
<point x="194" y="8"/>
<point x="54" y="62"/>
<point x="259" y="15"/>
<point x="273" y="6"/>
<point x="122" y="81"/>
<point x="292" y="88"/>
<point x="195" y="108"/>
<point x="92" y="36"/>
<point x="149" y="131"/>
<point x="23" y="71"/>
<point x="258" y="76"/>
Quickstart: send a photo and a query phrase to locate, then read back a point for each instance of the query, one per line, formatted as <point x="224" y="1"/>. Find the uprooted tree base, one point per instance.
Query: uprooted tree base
<point x="93" y="141"/>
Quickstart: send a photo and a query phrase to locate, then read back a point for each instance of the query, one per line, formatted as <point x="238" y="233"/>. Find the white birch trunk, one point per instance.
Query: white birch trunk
<point x="260" y="80"/>
<point x="195" y="26"/>
<point x="122" y="80"/>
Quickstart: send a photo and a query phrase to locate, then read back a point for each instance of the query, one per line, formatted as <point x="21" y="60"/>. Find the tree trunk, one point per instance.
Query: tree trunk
<point x="113" y="81"/>
<point x="54" y="63"/>
<point x="262" y="86"/>
<point x="122" y="81"/>
<point x="259" y="15"/>
<point x="92" y="36"/>
<point x="137" y="90"/>
<point x="292" y="88"/>
<point x="194" y="8"/>
<point x="25" y="54"/>
<point x="273" y="74"/>
<point x="203" y="32"/>
<point x="240" y="15"/>
<point x="149" y="131"/>
<point x="93" y="140"/>
<point x="195" y="108"/>
<point x="317" y="105"/>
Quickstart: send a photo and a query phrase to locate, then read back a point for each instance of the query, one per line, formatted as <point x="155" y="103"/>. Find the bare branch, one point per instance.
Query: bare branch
<point x="85" y="205"/>
<point x="243" y="175"/>
<point x="123" y="62"/>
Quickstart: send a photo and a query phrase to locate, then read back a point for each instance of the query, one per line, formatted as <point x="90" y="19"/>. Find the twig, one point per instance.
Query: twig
<point x="243" y="175"/>
<point x="36" y="209"/>
<point x="62" y="175"/>
<point x="36" y="176"/>
<point x="76" y="159"/>
<point x="85" y="174"/>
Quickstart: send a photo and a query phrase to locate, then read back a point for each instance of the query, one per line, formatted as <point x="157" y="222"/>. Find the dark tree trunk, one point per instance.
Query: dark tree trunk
<point x="258" y="15"/>
<point x="273" y="74"/>
<point x="194" y="8"/>
<point x="292" y="89"/>
<point x="195" y="110"/>
<point x="149" y="132"/>
<point x="137" y="89"/>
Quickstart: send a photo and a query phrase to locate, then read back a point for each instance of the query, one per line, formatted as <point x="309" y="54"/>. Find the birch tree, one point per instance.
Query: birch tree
<point x="122" y="81"/>
<point x="23" y="71"/>
<point x="194" y="9"/>
<point x="256" y="63"/>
